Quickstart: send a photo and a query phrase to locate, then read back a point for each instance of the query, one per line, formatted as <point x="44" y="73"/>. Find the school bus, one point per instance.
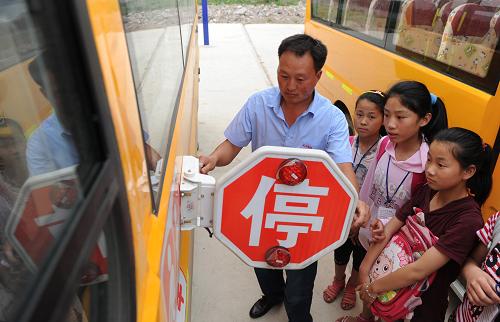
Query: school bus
<point x="449" y="45"/>
<point x="98" y="104"/>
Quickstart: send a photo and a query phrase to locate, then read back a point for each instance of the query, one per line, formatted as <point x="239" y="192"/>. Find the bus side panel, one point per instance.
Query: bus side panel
<point x="187" y="237"/>
<point x="113" y="56"/>
<point x="176" y="267"/>
<point x="348" y="64"/>
<point x="354" y="66"/>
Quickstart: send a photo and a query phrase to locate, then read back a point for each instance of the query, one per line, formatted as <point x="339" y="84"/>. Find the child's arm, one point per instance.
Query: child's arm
<point x="376" y="248"/>
<point x="480" y="285"/>
<point x="430" y="262"/>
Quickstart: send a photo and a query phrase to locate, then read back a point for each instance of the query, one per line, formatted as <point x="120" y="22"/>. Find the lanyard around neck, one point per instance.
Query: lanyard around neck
<point x="387" y="199"/>
<point x="364" y="155"/>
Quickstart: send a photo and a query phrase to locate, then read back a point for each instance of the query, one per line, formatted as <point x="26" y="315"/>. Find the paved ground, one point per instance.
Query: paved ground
<point x="240" y="60"/>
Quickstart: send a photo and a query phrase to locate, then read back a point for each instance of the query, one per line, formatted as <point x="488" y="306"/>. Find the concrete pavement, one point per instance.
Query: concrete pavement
<point x="240" y="60"/>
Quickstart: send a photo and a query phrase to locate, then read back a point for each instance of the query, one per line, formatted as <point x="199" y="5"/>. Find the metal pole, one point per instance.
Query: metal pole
<point x="204" y="9"/>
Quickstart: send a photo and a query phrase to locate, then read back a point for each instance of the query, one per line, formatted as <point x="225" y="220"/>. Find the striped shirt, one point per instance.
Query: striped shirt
<point x="490" y="237"/>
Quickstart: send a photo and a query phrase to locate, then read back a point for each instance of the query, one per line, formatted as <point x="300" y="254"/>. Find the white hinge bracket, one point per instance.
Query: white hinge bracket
<point x="197" y="195"/>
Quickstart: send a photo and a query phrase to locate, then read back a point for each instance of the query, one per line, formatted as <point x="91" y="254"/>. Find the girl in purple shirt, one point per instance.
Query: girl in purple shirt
<point x="459" y="180"/>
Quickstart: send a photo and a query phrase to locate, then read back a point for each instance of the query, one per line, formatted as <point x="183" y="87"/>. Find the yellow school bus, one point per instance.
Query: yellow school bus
<point x="450" y="45"/>
<point x="98" y="104"/>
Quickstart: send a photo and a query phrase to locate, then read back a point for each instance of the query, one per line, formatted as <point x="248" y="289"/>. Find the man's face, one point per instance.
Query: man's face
<point x="297" y="77"/>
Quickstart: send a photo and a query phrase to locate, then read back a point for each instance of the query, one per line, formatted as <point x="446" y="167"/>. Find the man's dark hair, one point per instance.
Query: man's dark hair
<point x="301" y="44"/>
<point x="43" y="63"/>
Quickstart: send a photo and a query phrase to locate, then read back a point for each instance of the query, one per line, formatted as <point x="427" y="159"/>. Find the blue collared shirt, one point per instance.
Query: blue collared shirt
<point x="50" y="148"/>
<point x="261" y="120"/>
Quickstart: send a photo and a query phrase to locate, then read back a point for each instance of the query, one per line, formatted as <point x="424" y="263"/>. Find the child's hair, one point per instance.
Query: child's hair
<point x="416" y="97"/>
<point x="468" y="148"/>
<point x="378" y="98"/>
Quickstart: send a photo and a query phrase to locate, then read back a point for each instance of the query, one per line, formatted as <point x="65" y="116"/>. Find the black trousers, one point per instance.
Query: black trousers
<point x="343" y="254"/>
<point x="296" y="292"/>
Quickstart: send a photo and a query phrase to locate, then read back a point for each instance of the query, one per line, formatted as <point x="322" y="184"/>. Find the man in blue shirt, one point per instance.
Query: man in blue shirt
<point x="293" y="115"/>
<point x="50" y="148"/>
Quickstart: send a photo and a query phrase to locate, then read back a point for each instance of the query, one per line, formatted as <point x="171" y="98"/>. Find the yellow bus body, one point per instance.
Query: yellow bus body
<point x="13" y="86"/>
<point x="148" y="228"/>
<point x="354" y="66"/>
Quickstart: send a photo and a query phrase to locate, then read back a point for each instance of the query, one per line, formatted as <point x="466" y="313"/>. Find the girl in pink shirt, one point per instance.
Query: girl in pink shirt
<point x="368" y="122"/>
<point x="412" y="116"/>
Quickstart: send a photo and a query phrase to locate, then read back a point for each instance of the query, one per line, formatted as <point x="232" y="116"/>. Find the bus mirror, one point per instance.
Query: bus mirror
<point x="197" y="195"/>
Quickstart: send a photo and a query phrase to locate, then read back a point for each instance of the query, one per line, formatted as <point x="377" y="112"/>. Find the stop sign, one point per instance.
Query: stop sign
<point x="254" y="211"/>
<point x="45" y="204"/>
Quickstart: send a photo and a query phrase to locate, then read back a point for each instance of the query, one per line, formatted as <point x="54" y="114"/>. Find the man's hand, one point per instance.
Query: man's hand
<point x="378" y="232"/>
<point x="207" y="163"/>
<point x="361" y="216"/>
<point x="221" y="156"/>
<point x="481" y="287"/>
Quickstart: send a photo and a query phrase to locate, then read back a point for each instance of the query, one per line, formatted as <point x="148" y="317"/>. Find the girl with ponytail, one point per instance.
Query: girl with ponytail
<point x="459" y="179"/>
<point x="412" y="117"/>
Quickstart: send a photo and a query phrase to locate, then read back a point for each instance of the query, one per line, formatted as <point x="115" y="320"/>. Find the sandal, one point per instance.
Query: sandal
<point x="349" y="298"/>
<point x="358" y="318"/>
<point x="333" y="290"/>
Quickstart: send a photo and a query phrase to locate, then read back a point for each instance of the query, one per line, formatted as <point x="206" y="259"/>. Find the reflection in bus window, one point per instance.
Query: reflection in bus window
<point x="367" y="16"/>
<point x="51" y="145"/>
<point x="12" y="153"/>
<point x="186" y="17"/>
<point x="42" y="140"/>
<point x="326" y="10"/>
<point x="155" y="51"/>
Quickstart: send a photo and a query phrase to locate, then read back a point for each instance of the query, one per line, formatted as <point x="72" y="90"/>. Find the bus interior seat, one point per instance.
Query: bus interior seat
<point x="377" y="18"/>
<point x="415" y="28"/>
<point x="356" y="14"/>
<point x="470" y="38"/>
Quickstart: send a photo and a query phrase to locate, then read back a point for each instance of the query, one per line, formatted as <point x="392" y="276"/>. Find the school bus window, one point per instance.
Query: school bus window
<point x="462" y="36"/>
<point x="49" y="154"/>
<point x="326" y="10"/>
<point x="186" y="15"/>
<point x="366" y="17"/>
<point x="155" y="50"/>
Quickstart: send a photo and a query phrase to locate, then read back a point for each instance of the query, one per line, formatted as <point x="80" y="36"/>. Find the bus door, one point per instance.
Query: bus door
<point x="65" y="239"/>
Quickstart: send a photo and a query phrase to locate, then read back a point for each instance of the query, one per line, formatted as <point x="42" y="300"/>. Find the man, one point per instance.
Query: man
<point x="294" y="115"/>
<point x="52" y="145"/>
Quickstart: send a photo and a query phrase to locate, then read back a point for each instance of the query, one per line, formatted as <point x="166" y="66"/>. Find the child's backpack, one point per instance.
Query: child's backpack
<point x="405" y="247"/>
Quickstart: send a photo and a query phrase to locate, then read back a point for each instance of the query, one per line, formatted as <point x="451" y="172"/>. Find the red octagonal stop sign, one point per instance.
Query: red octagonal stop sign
<point x="255" y="212"/>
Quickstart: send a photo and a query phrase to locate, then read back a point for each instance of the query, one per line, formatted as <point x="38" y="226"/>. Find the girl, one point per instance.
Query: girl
<point x="482" y="273"/>
<point x="458" y="172"/>
<point x="369" y="116"/>
<point x="411" y="118"/>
